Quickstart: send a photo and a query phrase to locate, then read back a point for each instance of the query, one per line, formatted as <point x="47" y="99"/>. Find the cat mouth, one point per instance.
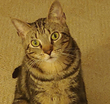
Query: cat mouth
<point x="51" y="59"/>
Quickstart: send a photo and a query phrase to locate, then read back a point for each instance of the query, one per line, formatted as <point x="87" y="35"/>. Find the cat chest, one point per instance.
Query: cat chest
<point x="51" y="92"/>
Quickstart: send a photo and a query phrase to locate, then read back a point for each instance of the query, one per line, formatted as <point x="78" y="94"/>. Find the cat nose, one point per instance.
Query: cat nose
<point x="48" y="50"/>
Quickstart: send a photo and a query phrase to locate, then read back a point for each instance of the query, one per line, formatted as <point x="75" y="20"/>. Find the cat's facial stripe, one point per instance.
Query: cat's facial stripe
<point x="65" y="34"/>
<point x="27" y="47"/>
<point x="66" y="37"/>
<point x="49" y="31"/>
<point x="63" y="42"/>
<point x="31" y="53"/>
<point x="40" y="25"/>
<point x="35" y="35"/>
<point x="35" y="25"/>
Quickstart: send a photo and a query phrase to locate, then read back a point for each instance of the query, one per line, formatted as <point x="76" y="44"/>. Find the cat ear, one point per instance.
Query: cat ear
<point x="56" y="13"/>
<point x="22" y="27"/>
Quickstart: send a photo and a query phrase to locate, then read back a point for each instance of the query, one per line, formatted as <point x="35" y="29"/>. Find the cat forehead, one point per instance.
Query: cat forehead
<point x="42" y="26"/>
<point x="40" y="23"/>
<point x="38" y="27"/>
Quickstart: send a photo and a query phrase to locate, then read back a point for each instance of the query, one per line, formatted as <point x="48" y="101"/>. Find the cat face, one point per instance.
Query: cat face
<point x="47" y="38"/>
<point x="46" y="42"/>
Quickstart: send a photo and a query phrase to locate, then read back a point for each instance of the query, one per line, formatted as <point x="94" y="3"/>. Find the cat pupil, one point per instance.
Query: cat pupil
<point x="35" y="42"/>
<point x="55" y="35"/>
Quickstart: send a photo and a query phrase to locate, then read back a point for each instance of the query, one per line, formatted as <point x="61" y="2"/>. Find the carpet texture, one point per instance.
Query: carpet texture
<point x="89" y="23"/>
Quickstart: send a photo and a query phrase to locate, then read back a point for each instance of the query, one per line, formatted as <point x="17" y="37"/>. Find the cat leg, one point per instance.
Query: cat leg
<point x="20" y="98"/>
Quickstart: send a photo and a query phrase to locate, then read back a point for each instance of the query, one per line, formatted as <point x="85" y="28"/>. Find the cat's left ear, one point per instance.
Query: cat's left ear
<point x="56" y="13"/>
<point x="22" y="27"/>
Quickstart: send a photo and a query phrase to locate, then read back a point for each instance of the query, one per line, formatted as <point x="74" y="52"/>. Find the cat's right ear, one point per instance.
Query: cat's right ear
<point x="56" y="13"/>
<point x="22" y="27"/>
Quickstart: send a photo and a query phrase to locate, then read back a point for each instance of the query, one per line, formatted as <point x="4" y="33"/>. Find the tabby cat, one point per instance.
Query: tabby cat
<point x="51" y="69"/>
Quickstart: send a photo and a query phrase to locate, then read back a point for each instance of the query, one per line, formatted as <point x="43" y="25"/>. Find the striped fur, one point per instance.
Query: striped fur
<point x="50" y="73"/>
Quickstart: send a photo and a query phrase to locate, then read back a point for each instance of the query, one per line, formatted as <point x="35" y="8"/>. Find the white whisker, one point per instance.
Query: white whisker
<point x="60" y="64"/>
<point x="31" y="62"/>
<point x="67" y="54"/>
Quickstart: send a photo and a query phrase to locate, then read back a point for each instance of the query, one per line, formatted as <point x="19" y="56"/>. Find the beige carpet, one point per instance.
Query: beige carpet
<point x="89" y="23"/>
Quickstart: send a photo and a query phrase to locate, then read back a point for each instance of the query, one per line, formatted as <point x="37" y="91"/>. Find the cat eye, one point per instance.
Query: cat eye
<point x="35" y="43"/>
<point x="55" y="36"/>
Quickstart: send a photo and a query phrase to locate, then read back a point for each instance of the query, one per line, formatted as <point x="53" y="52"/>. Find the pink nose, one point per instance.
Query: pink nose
<point x="48" y="50"/>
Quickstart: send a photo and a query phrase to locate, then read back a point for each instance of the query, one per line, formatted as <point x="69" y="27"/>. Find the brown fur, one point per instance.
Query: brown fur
<point x="51" y="72"/>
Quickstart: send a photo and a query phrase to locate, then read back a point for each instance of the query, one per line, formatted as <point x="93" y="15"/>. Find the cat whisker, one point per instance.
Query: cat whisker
<point x="69" y="50"/>
<point x="67" y="54"/>
<point x="57" y="49"/>
<point x="60" y="64"/>
<point x="30" y="63"/>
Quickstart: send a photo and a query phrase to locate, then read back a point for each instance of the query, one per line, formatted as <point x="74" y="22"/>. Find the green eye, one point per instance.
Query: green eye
<point x="35" y="43"/>
<point x="55" y="36"/>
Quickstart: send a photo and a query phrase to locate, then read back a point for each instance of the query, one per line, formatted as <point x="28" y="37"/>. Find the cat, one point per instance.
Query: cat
<point x="16" y="72"/>
<point x="51" y="68"/>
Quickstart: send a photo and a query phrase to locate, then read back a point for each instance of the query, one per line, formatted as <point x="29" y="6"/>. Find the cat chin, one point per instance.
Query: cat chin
<point x="51" y="59"/>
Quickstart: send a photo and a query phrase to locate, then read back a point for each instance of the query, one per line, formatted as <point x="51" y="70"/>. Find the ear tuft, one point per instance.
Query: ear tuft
<point x="22" y="27"/>
<point x="56" y="13"/>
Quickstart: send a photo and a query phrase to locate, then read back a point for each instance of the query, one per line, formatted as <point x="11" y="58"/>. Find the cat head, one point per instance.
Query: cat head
<point x="47" y="38"/>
